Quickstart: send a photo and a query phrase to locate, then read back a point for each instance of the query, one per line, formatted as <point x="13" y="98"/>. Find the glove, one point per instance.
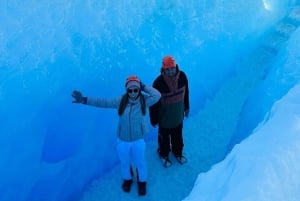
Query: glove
<point x="154" y="125"/>
<point x="142" y="86"/>
<point x="186" y="113"/>
<point x="77" y="96"/>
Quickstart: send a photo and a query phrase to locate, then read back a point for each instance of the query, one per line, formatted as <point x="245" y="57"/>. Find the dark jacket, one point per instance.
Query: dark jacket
<point x="168" y="112"/>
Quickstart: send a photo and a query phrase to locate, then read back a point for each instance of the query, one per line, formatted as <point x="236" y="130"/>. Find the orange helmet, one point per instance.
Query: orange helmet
<point x="134" y="81"/>
<point x="168" y="62"/>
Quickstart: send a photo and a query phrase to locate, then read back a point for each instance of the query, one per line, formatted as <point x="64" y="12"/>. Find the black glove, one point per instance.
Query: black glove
<point x="78" y="97"/>
<point x="187" y="113"/>
<point x="154" y="125"/>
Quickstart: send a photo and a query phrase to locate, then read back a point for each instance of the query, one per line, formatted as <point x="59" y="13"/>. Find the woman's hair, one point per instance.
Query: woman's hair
<point x="124" y="102"/>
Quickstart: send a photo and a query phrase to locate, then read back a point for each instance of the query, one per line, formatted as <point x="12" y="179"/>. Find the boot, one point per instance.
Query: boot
<point x="126" y="186"/>
<point x="142" y="188"/>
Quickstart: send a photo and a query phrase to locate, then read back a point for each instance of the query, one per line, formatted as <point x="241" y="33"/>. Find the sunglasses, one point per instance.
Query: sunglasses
<point x="132" y="91"/>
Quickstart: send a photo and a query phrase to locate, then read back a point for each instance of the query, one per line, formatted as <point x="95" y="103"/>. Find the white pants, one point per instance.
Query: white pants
<point x="132" y="152"/>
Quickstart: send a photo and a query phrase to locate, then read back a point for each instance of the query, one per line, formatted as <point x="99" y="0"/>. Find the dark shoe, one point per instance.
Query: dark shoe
<point x="181" y="159"/>
<point x="126" y="186"/>
<point x="142" y="188"/>
<point x="166" y="162"/>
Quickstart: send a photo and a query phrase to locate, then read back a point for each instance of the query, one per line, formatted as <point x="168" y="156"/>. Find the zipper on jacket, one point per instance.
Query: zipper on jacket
<point x="129" y="119"/>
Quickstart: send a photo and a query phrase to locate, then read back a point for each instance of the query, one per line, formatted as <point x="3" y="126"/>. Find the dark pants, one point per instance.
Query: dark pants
<point x="170" y="139"/>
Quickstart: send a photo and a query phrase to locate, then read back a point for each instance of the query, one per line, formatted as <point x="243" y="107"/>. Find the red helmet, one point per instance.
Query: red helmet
<point x="168" y="62"/>
<point x="133" y="79"/>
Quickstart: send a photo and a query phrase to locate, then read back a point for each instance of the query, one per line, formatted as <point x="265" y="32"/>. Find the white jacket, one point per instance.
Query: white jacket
<point x="132" y="123"/>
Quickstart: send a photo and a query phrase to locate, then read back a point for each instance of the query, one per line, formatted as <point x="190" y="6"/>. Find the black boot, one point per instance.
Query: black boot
<point x="126" y="186"/>
<point x="142" y="188"/>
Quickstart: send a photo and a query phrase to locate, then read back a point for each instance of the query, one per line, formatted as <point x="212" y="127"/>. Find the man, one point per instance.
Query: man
<point x="168" y="113"/>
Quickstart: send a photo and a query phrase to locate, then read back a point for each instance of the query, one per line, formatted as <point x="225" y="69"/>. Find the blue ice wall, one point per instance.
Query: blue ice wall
<point x="279" y="72"/>
<point x="51" y="149"/>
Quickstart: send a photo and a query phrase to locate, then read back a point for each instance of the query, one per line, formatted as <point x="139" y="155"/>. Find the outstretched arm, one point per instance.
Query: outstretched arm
<point x="97" y="102"/>
<point x="104" y="103"/>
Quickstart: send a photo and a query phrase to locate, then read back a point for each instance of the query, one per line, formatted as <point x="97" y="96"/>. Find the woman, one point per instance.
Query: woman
<point x="131" y="127"/>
